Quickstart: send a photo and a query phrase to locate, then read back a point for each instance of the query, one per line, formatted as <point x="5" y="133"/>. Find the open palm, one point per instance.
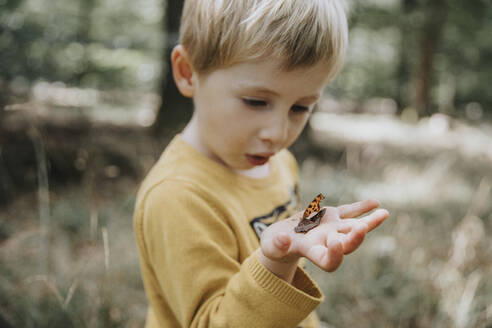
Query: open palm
<point x="339" y="233"/>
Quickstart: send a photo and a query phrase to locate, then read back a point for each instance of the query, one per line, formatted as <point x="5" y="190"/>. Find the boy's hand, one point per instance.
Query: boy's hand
<point x="338" y="234"/>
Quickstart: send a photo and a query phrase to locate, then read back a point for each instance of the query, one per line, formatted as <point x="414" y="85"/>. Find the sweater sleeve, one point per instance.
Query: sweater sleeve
<point x="194" y="257"/>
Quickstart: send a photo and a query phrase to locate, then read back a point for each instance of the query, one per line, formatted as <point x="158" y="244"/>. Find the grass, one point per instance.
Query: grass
<point x="81" y="271"/>
<point x="426" y="266"/>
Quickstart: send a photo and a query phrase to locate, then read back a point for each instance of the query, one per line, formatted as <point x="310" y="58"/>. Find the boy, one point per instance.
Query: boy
<point x="215" y="250"/>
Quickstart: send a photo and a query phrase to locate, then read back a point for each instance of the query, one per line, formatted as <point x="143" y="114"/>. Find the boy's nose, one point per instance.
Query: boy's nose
<point x="275" y="132"/>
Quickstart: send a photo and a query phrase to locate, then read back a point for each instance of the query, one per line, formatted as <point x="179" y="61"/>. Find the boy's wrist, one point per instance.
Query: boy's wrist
<point x="283" y="270"/>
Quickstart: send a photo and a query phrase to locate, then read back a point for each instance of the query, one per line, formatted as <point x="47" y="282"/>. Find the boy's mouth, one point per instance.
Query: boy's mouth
<point x="258" y="159"/>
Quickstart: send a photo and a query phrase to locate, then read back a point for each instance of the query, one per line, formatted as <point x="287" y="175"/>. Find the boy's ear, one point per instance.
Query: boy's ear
<point x="182" y="71"/>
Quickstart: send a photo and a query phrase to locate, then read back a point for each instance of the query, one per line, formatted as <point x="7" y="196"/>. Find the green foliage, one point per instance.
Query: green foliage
<point x="104" y="45"/>
<point x="467" y="51"/>
<point x="119" y="44"/>
<point x="384" y="53"/>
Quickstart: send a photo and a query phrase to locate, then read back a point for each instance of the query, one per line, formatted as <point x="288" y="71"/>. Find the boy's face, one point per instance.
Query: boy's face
<point x="246" y="113"/>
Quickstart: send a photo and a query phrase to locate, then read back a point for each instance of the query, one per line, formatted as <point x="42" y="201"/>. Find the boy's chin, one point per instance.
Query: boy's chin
<point x="254" y="171"/>
<point x="247" y="165"/>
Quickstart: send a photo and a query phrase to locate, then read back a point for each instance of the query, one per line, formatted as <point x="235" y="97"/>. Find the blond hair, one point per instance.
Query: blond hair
<point x="220" y="33"/>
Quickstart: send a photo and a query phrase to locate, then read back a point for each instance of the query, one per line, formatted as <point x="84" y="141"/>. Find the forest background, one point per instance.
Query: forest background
<point x="87" y="106"/>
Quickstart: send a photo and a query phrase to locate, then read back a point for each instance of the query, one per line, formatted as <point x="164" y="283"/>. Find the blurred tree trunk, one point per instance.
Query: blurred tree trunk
<point x="403" y="70"/>
<point x="175" y="110"/>
<point x="3" y="103"/>
<point x="86" y="9"/>
<point x="4" y="89"/>
<point x="431" y="34"/>
<point x="7" y="8"/>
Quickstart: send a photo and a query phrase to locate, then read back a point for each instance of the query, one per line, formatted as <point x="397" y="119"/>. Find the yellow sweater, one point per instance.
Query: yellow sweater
<point x="197" y="227"/>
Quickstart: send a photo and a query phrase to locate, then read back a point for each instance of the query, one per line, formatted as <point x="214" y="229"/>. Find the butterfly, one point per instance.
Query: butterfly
<point x="307" y="223"/>
<point x="313" y="206"/>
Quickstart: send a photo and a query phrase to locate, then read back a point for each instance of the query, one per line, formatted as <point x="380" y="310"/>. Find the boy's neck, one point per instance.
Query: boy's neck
<point x="191" y="136"/>
<point x="257" y="172"/>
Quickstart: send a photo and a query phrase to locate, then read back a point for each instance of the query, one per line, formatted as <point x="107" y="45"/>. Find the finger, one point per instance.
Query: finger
<point x="277" y="246"/>
<point x="357" y="209"/>
<point x="375" y="218"/>
<point x="346" y="225"/>
<point x="352" y="241"/>
<point x="326" y="258"/>
<point x="372" y="220"/>
<point x="334" y="255"/>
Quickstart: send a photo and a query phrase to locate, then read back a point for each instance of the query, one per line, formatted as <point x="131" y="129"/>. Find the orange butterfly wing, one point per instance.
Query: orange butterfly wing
<point x="313" y="206"/>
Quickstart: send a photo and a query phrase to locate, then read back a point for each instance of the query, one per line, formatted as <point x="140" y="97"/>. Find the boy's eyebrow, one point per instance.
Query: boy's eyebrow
<point x="313" y="97"/>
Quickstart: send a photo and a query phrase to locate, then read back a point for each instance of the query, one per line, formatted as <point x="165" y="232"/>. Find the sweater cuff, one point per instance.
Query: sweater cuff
<point x="303" y="294"/>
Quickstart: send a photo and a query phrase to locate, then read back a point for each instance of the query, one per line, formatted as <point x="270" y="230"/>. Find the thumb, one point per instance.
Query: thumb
<point x="277" y="247"/>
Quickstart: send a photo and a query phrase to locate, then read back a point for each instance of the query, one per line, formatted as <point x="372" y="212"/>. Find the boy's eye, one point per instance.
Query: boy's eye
<point x="254" y="102"/>
<point x="299" y="109"/>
